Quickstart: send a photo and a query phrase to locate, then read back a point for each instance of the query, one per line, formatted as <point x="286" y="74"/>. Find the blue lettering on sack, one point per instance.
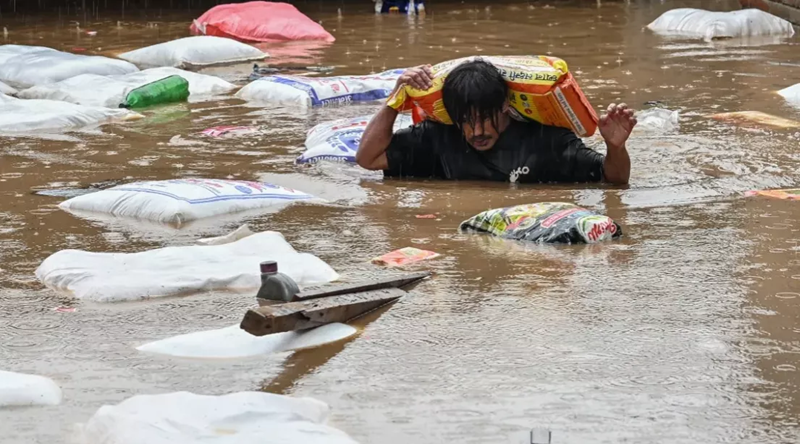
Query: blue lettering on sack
<point x="289" y="82"/>
<point x="309" y="88"/>
<point x="346" y="141"/>
<point x="296" y="84"/>
<point x="366" y="96"/>
<point x="325" y="157"/>
<point x="299" y="196"/>
<point x="244" y="189"/>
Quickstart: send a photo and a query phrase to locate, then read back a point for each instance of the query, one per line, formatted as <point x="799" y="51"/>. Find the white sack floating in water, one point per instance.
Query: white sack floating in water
<point x="238" y="418"/>
<point x="175" y="271"/>
<point x="19" y="389"/>
<point x="303" y="91"/>
<point x="23" y="116"/>
<point x="194" y="52"/>
<point x="233" y="342"/>
<point x="710" y="25"/>
<point x="110" y="91"/>
<point x="179" y="201"/>
<point x="26" y="66"/>
<point x="338" y="141"/>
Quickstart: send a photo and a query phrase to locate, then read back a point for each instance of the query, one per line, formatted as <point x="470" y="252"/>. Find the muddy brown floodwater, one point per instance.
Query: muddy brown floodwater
<point x="684" y="331"/>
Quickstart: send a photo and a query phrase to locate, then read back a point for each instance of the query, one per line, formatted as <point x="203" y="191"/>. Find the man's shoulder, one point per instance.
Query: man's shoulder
<point x="429" y="130"/>
<point x="436" y="127"/>
<point x="538" y="128"/>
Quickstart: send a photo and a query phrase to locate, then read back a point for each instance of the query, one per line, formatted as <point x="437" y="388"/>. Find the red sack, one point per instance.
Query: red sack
<point x="259" y="22"/>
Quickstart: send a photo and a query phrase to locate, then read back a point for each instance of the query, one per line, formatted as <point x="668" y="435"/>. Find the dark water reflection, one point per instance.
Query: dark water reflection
<point x="685" y="331"/>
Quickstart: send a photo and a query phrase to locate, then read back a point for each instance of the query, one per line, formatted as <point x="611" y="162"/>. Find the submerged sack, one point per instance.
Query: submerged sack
<point x="548" y="222"/>
<point x="195" y="52"/>
<point x="259" y="22"/>
<point x="711" y="25"/>
<point x="237" y="418"/>
<point x="23" y="67"/>
<point x="110" y="91"/>
<point x="21" y="390"/>
<point x="319" y="91"/>
<point x="540" y="88"/>
<point x="183" y="200"/>
<point x="338" y="141"/>
<point x="17" y="115"/>
<point x="174" y="271"/>
<point x="755" y="119"/>
<point x="233" y="342"/>
<point x="788" y="194"/>
<point x="5" y="89"/>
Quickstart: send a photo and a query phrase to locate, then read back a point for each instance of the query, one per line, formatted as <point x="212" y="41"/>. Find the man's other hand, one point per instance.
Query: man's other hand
<point x="616" y="125"/>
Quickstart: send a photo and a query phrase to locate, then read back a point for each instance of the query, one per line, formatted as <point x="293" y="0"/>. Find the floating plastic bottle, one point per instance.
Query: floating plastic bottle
<point x="275" y="287"/>
<point x="167" y="90"/>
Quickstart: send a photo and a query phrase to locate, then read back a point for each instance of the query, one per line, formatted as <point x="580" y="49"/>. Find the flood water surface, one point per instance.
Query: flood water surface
<point x="683" y="331"/>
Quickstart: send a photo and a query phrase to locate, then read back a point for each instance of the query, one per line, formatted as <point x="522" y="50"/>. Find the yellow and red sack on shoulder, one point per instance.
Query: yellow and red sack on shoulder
<point x="540" y="88"/>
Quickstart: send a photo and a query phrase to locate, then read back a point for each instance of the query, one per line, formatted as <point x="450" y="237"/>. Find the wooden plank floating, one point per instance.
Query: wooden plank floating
<point x="312" y="313"/>
<point x="355" y="287"/>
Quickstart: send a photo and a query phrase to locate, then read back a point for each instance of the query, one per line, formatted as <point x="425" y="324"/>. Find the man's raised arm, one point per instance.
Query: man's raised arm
<point x="615" y="127"/>
<point x="377" y="136"/>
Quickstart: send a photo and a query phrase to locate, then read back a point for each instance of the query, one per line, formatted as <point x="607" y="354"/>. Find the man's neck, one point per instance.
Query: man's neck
<point x="503" y="123"/>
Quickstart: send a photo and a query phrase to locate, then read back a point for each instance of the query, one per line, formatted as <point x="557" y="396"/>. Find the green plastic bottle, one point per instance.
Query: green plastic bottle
<point x="167" y="90"/>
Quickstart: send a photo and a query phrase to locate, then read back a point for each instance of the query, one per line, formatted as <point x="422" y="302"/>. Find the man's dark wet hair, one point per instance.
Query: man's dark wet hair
<point x="474" y="90"/>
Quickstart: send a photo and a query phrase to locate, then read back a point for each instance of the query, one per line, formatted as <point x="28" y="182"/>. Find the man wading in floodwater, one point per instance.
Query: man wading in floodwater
<point x="486" y="143"/>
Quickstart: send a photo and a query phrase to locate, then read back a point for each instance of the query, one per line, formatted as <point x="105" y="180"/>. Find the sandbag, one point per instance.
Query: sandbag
<point x="9" y="51"/>
<point x="179" y="201"/>
<point x="755" y="119"/>
<point x="5" y="89"/>
<point x="19" y="389"/>
<point x="791" y="94"/>
<point x="540" y="88"/>
<point x="18" y="115"/>
<point x="173" y="271"/>
<point x="710" y="25"/>
<point x="23" y="67"/>
<point x="319" y="91"/>
<point x="547" y="222"/>
<point x="259" y="22"/>
<point x="238" y="418"/>
<point x="194" y="52"/>
<point x="233" y="342"/>
<point x="337" y="141"/>
<point x="110" y="91"/>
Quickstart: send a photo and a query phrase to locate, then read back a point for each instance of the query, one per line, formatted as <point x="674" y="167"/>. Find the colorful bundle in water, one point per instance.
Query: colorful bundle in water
<point x="546" y="222"/>
<point x="540" y="88"/>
